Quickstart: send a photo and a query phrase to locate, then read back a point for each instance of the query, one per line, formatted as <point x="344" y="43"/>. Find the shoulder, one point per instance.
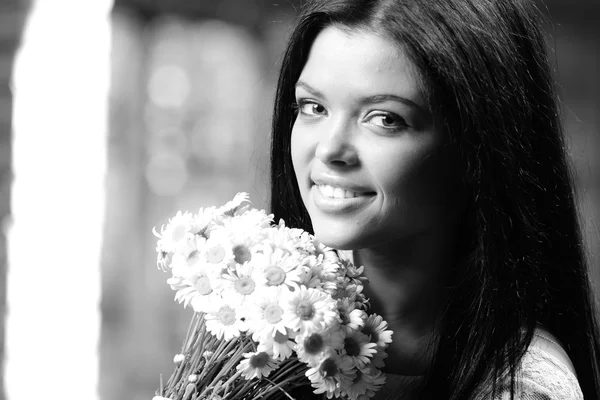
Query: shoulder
<point x="548" y="346"/>
<point x="546" y="372"/>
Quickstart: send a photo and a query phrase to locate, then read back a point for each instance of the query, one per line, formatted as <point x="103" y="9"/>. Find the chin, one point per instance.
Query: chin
<point x="340" y="239"/>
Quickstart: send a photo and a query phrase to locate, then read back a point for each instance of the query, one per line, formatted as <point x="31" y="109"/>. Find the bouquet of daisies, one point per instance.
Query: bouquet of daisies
<point x="274" y="310"/>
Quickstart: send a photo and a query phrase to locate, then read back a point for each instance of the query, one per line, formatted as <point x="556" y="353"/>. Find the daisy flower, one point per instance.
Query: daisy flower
<point x="332" y="376"/>
<point x="376" y="380"/>
<point x="325" y="251"/>
<point x="279" y="268"/>
<point x="185" y="295"/>
<point x="224" y="321"/>
<point x="243" y="237"/>
<point x="256" y="365"/>
<point x="281" y="345"/>
<point x="202" y="221"/>
<point x="205" y="293"/>
<point x="308" y="310"/>
<point x="288" y="239"/>
<point x="376" y="328"/>
<point x="218" y="250"/>
<point x="257" y="218"/>
<point x="314" y="347"/>
<point x="329" y="269"/>
<point x="378" y="358"/>
<point x="351" y="270"/>
<point x="175" y="232"/>
<point x="163" y="259"/>
<point x="265" y="314"/>
<point x="345" y="288"/>
<point x="177" y="282"/>
<point x="309" y="276"/>
<point x="242" y="282"/>
<point x="358" y="348"/>
<point x="358" y="387"/>
<point x="252" y="223"/>
<point x="201" y="286"/>
<point x="232" y="206"/>
<point x="350" y="316"/>
<point x="365" y="384"/>
<point x="179" y="266"/>
<point x="187" y="260"/>
<point x="326" y="273"/>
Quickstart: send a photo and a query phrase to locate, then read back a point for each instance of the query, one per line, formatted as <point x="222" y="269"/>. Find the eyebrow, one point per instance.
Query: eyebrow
<point x="377" y="98"/>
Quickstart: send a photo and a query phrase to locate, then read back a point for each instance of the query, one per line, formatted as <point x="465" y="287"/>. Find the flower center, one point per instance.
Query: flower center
<point x="344" y="317"/>
<point x="203" y="285"/>
<point x="359" y="375"/>
<point x="241" y="254"/>
<point x="329" y="368"/>
<point x="226" y="315"/>
<point x="313" y="344"/>
<point x="280" y="338"/>
<point x="351" y="346"/>
<point x="165" y="259"/>
<point x="259" y="360"/>
<point x="369" y="331"/>
<point x="273" y="313"/>
<point x="275" y="276"/>
<point x="193" y="257"/>
<point x="305" y="310"/>
<point x="245" y="285"/>
<point x="215" y="254"/>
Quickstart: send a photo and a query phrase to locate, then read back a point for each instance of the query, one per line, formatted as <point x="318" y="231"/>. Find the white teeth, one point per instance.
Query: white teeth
<point x="339" y="193"/>
<point x="335" y="193"/>
<point x="327" y="190"/>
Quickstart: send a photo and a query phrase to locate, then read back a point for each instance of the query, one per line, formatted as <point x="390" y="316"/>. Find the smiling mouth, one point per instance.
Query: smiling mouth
<point x="333" y="192"/>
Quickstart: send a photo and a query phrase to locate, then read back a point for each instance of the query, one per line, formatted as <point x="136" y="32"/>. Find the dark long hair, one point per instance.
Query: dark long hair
<point x="485" y="67"/>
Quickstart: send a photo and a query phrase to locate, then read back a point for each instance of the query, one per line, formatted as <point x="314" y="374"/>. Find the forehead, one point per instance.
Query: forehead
<point x="362" y="61"/>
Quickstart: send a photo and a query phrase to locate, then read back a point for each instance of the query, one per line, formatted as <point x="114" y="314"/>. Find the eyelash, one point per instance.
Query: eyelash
<point x="301" y="103"/>
<point x="298" y="105"/>
<point x="401" y="123"/>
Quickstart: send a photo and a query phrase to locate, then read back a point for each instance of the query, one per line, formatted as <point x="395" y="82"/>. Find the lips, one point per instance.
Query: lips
<point x="338" y="187"/>
<point x="337" y="195"/>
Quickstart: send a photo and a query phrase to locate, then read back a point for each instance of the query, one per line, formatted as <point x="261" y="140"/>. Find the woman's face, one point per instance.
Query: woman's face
<point x="371" y="165"/>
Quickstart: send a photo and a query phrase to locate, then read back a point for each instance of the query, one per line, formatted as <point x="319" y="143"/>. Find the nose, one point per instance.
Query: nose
<point x="336" y="145"/>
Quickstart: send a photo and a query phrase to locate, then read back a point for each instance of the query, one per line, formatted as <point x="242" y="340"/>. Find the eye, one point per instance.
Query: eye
<point x="387" y="120"/>
<point x="310" y="108"/>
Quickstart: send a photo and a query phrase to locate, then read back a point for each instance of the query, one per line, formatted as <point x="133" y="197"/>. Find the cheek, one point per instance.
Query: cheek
<point x="295" y="150"/>
<point x="300" y="150"/>
<point x="427" y="184"/>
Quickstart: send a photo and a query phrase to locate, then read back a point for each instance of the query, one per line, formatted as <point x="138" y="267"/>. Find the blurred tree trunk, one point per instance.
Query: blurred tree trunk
<point x="122" y="257"/>
<point x="12" y="21"/>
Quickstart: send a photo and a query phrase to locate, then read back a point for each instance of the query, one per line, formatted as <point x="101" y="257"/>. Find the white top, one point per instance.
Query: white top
<point x="545" y="373"/>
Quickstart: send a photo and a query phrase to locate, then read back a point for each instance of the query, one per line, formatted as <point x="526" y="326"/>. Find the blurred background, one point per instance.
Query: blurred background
<point x="114" y="114"/>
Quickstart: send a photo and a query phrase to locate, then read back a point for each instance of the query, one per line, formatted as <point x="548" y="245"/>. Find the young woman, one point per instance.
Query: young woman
<point x="423" y="137"/>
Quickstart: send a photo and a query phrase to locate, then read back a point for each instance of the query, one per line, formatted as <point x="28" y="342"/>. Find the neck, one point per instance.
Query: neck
<point x="406" y="288"/>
